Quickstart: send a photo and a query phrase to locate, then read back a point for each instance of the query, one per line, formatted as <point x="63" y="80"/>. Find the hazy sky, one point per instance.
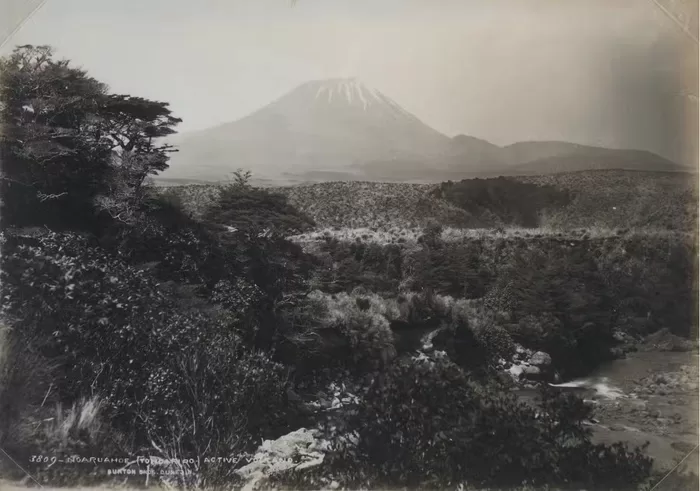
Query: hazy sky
<point x="602" y="72"/>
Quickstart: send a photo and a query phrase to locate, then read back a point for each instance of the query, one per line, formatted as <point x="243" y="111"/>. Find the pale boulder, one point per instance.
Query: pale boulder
<point x="298" y="450"/>
<point x="540" y="359"/>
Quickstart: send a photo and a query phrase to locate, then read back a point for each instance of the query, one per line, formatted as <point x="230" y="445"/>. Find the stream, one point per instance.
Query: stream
<point x="648" y="396"/>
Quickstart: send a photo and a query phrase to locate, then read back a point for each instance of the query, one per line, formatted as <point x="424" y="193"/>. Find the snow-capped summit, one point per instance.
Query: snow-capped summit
<point x="343" y="94"/>
<point x="351" y="91"/>
<point x="321" y="125"/>
<point x="350" y="88"/>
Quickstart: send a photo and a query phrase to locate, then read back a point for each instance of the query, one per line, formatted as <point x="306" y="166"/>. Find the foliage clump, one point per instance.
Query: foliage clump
<point x="243" y="207"/>
<point x="161" y="369"/>
<point x="71" y="151"/>
<point x="423" y="423"/>
<point x="507" y="200"/>
<point x="341" y="330"/>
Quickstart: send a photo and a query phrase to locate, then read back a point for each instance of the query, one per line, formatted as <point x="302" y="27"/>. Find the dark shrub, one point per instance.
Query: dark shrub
<point x="425" y="424"/>
<point x="507" y="200"/>
<point x="244" y="207"/>
<point x="245" y="271"/>
<point x="111" y="331"/>
<point x="431" y="233"/>
<point x="181" y="248"/>
<point x="373" y="266"/>
<point x="340" y="330"/>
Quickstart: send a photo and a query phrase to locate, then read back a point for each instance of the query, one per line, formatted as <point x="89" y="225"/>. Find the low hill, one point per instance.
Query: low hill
<point x="527" y="151"/>
<point x="598" y="159"/>
<point x="473" y="158"/>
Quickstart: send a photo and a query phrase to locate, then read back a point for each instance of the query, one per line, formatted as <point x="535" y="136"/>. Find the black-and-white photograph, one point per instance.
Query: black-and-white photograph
<point x="349" y="245"/>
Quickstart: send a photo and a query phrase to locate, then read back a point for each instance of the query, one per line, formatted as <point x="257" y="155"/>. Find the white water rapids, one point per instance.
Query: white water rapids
<point x="601" y="386"/>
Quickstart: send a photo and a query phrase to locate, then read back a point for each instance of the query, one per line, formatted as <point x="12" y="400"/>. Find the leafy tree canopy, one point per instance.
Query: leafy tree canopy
<point x="71" y="149"/>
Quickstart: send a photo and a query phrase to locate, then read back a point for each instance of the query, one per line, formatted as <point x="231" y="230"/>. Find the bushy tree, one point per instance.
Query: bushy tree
<point x="451" y="269"/>
<point x="241" y="178"/>
<point x="431" y="233"/>
<point x="69" y="148"/>
<point x="243" y="207"/>
<point x="345" y="330"/>
<point x="374" y="266"/>
<point x="563" y="289"/>
<point x="177" y="246"/>
<point x="54" y="159"/>
<point x="247" y="271"/>
<point x="132" y="125"/>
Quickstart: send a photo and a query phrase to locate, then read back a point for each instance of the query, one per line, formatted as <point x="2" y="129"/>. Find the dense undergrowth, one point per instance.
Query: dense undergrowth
<point x="566" y="296"/>
<point x="150" y="330"/>
<point x="503" y="200"/>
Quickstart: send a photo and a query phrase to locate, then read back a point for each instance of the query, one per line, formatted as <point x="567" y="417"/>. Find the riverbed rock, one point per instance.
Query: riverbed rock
<point x="540" y="359"/>
<point x="660" y="379"/>
<point x="516" y="371"/>
<point x="619" y="336"/>
<point x="531" y="373"/>
<point x="618" y="352"/>
<point x="324" y="403"/>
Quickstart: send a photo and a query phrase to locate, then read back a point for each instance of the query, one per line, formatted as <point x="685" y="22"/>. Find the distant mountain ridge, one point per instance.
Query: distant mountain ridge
<point x="341" y="128"/>
<point x="593" y="158"/>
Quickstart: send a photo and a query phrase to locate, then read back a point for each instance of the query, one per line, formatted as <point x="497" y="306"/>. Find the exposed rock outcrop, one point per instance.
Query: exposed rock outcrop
<point x="298" y="450"/>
